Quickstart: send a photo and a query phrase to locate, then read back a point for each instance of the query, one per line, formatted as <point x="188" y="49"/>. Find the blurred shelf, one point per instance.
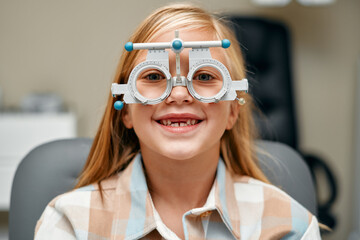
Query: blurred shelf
<point x="19" y="134"/>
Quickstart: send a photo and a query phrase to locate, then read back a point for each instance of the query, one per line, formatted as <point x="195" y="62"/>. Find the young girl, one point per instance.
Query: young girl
<point x="181" y="168"/>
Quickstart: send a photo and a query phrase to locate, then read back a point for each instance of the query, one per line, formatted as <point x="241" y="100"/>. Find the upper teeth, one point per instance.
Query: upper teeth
<point x="168" y="122"/>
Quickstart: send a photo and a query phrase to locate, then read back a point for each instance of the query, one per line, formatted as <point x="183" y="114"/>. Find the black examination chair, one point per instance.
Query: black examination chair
<point x="266" y="46"/>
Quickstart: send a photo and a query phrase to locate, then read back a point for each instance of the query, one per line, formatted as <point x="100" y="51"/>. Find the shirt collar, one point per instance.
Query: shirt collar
<point x="136" y="214"/>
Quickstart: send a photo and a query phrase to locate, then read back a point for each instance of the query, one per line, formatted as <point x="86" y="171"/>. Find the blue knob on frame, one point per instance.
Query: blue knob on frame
<point x="177" y="44"/>
<point x="129" y="46"/>
<point x="225" y="43"/>
<point x="118" y="105"/>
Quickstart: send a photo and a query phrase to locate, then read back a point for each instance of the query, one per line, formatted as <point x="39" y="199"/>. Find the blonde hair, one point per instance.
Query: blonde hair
<point x="114" y="145"/>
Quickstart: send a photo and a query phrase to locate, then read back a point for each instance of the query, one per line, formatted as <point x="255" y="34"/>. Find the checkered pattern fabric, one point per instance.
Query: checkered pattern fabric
<point x="238" y="207"/>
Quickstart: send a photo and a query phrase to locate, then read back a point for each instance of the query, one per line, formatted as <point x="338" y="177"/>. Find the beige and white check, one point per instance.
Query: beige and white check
<point x="238" y="207"/>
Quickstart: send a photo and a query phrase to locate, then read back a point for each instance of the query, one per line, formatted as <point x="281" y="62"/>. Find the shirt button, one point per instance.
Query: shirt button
<point x="205" y="214"/>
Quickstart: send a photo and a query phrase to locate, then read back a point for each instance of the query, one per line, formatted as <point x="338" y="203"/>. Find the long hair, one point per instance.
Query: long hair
<point x="114" y="145"/>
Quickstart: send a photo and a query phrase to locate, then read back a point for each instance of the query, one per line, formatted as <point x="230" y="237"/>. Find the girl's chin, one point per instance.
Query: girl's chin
<point x="180" y="154"/>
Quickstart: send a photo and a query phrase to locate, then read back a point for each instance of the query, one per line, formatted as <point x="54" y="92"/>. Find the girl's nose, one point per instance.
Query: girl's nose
<point x="179" y="95"/>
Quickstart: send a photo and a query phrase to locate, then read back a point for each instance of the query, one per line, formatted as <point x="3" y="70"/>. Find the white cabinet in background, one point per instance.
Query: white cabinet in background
<point x="20" y="133"/>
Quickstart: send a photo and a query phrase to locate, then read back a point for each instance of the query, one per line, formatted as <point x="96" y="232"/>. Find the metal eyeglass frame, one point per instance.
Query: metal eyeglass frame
<point x="158" y="58"/>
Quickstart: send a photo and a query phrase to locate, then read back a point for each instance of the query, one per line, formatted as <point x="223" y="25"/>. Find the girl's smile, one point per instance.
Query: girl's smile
<point x="179" y="122"/>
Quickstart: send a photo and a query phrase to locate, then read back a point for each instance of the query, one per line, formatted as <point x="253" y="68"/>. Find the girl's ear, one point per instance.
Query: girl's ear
<point x="233" y="115"/>
<point x="126" y="118"/>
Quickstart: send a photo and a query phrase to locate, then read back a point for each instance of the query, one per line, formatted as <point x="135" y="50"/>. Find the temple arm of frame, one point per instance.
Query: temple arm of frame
<point x="241" y="85"/>
<point x="118" y="89"/>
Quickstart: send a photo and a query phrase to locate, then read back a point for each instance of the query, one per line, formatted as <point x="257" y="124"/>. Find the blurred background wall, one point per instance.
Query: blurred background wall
<point x="71" y="48"/>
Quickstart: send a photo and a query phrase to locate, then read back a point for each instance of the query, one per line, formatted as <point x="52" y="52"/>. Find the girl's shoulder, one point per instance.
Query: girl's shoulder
<point x="274" y="207"/>
<point x="83" y="195"/>
<point x="69" y="213"/>
<point x="260" y="191"/>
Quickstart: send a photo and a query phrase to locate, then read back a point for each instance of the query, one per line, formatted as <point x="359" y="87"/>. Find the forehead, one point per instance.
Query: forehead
<point x="186" y="35"/>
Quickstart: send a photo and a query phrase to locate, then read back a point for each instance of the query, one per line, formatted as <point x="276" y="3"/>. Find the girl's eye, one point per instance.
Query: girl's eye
<point x="154" y="76"/>
<point x="203" y="77"/>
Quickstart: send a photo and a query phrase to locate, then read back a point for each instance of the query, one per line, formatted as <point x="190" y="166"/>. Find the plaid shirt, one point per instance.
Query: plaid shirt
<point x="238" y="207"/>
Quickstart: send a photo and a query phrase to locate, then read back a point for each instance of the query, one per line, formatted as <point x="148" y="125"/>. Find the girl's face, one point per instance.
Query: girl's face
<point x="181" y="127"/>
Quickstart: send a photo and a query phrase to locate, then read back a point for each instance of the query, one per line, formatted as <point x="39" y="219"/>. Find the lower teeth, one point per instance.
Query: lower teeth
<point x="177" y="124"/>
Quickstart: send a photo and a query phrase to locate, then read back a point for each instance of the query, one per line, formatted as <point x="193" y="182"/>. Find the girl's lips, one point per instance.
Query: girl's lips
<point x="178" y="116"/>
<point x="179" y="122"/>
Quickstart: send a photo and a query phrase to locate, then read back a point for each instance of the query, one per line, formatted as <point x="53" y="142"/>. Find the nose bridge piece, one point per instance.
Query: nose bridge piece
<point x="181" y="94"/>
<point x="178" y="81"/>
